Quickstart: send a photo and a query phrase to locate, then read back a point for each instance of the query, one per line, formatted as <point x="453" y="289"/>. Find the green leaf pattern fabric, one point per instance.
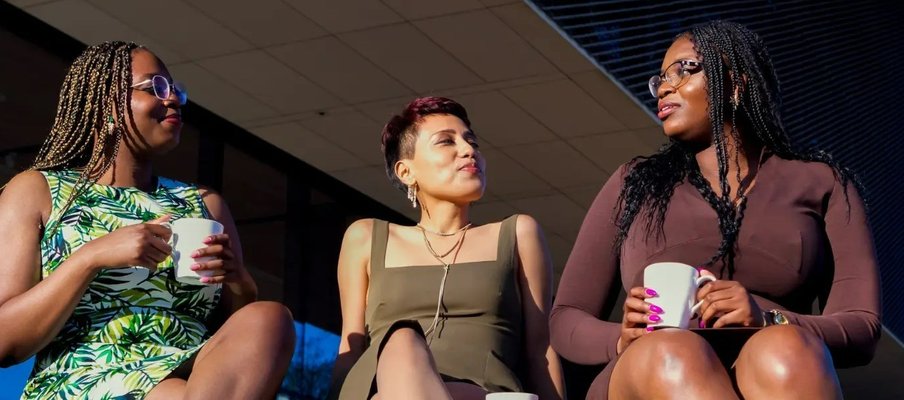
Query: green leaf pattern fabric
<point x="131" y="328"/>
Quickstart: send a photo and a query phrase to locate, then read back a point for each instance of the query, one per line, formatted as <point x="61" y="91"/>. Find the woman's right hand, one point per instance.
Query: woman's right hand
<point x="144" y="245"/>
<point x="637" y="314"/>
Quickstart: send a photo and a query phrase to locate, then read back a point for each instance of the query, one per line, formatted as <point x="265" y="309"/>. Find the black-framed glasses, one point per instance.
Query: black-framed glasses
<point x="675" y="74"/>
<point x="161" y="88"/>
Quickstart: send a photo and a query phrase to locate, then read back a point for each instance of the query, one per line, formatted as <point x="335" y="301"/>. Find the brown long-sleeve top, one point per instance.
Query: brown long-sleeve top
<point x="801" y="239"/>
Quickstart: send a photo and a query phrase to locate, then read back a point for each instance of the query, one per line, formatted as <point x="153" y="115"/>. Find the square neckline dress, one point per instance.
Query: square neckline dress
<point x="479" y="337"/>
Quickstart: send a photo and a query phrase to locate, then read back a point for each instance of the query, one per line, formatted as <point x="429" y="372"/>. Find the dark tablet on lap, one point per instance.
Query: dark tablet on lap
<point x="726" y="342"/>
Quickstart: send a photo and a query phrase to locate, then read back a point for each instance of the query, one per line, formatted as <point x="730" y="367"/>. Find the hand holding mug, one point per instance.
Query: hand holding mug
<point x="216" y="262"/>
<point x="731" y="303"/>
<point x="676" y="285"/>
<point x="143" y="245"/>
<point x="637" y="314"/>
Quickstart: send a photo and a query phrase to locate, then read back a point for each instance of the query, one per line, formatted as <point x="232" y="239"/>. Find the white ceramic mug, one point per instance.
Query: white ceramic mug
<point x="676" y="285"/>
<point x="188" y="236"/>
<point x="512" y="396"/>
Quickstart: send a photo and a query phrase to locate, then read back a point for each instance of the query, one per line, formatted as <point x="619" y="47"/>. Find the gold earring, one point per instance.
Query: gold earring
<point x="735" y="99"/>
<point x="412" y="195"/>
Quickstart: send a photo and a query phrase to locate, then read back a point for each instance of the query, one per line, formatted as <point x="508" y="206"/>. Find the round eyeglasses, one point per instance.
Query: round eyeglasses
<point x="161" y="88"/>
<point x="675" y="74"/>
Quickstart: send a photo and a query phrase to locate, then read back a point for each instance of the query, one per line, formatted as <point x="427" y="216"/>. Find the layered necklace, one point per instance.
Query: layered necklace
<point x="440" y="257"/>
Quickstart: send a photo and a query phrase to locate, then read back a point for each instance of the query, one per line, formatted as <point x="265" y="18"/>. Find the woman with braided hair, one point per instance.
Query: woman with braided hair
<point x="86" y="281"/>
<point x="778" y="227"/>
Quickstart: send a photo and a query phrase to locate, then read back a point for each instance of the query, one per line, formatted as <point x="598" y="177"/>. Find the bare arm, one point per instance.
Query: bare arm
<point x="535" y="279"/>
<point x="32" y="311"/>
<point x="354" y="261"/>
<point x="239" y="288"/>
<point x="577" y="331"/>
<point x="849" y="324"/>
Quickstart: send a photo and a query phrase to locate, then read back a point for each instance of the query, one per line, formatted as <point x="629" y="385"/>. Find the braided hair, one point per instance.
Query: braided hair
<point x="89" y="122"/>
<point x="735" y="60"/>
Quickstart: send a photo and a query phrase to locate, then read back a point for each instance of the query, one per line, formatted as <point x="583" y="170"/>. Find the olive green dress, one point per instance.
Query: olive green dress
<point x="479" y="335"/>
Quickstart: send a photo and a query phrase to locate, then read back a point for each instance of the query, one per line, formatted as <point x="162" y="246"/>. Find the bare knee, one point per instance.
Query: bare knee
<point x="670" y="364"/>
<point x="404" y="343"/>
<point x="169" y="389"/>
<point x="672" y="356"/>
<point x="268" y="319"/>
<point x="266" y="312"/>
<point x="269" y="313"/>
<point x="781" y="355"/>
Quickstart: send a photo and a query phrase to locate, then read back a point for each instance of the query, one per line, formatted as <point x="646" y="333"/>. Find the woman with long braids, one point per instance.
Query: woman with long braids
<point x="443" y="309"/>
<point x="780" y="228"/>
<point x="86" y="281"/>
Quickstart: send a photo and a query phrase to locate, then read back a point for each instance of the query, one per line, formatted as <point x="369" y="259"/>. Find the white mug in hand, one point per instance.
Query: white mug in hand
<point x="676" y="285"/>
<point x="511" y="396"/>
<point x="188" y="236"/>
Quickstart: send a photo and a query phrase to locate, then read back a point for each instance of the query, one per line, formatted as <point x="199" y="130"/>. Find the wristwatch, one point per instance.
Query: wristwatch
<point x="774" y="317"/>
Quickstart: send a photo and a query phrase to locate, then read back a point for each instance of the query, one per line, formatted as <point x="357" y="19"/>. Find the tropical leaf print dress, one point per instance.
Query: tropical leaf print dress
<point x="131" y="328"/>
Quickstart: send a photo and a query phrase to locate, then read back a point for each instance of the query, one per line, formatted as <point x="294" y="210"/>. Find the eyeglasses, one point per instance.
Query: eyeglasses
<point x="675" y="74"/>
<point x="161" y="88"/>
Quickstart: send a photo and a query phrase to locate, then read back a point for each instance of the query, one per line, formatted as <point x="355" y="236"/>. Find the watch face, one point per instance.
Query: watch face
<point x="780" y="319"/>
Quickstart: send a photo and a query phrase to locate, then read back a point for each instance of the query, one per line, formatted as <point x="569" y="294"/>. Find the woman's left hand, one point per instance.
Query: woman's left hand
<point x="223" y="268"/>
<point x="731" y="303"/>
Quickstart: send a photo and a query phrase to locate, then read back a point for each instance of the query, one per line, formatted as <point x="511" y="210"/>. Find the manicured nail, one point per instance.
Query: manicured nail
<point x="208" y="239"/>
<point x="205" y="280"/>
<point x="654" y="318"/>
<point x="195" y="266"/>
<point x="196" y="254"/>
<point x="651" y="292"/>
<point x="656" y="309"/>
<point x="702" y="324"/>
<point x="649" y="329"/>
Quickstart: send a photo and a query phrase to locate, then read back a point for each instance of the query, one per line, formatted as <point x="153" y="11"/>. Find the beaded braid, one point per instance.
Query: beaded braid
<point x="89" y="122"/>
<point x="735" y="60"/>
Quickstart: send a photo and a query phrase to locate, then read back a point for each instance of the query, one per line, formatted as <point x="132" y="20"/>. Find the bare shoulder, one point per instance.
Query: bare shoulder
<point x="354" y="256"/>
<point x="27" y="181"/>
<point x="527" y="228"/>
<point x="359" y="233"/>
<point x="27" y="191"/>
<point x="213" y="200"/>
<point x="531" y="247"/>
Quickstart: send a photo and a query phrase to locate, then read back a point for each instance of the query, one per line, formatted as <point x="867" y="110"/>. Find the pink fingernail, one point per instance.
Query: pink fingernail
<point x="649" y="329"/>
<point x="195" y="266"/>
<point x="205" y="280"/>
<point x="195" y="254"/>
<point x="702" y="324"/>
<point x="654" y="318"/>
<point x="208" y="239"/>
<point x="651" y="292"/>
<point x="656" y="309"/>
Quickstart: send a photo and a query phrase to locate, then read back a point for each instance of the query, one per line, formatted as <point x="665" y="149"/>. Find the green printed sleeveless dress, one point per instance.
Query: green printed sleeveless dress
<point x="131" y="328"/>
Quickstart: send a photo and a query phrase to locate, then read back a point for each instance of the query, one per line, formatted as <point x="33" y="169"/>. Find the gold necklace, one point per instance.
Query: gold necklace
<point x="442" y="283"/>
<point x="454" y="246"/>
<point x="421" y="227"/>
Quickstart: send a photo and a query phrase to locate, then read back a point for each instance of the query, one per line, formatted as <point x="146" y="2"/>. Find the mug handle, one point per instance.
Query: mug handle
<point x="700" y="280"/>
<point x="169" y="225"/>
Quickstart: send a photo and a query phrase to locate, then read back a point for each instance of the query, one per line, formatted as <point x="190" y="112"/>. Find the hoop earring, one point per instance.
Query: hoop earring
<point x="412" y="195"/>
